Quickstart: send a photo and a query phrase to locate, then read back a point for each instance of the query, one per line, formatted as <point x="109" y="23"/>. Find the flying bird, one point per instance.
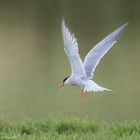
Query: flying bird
<point x="83" y="72"/>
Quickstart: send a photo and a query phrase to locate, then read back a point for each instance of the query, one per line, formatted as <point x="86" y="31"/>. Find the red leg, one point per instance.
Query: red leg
<point x="82" y="93"/>
<point x="85" y="94"/>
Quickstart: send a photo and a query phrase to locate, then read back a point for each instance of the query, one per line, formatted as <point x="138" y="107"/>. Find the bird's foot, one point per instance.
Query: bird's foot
<point x="83" y="94"/>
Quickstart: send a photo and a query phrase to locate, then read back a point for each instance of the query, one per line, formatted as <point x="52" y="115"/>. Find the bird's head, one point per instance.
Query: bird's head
<point x="65" y="81"/>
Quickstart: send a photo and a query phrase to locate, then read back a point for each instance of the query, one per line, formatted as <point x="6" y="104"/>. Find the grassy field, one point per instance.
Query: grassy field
<point x="70" y="129"/>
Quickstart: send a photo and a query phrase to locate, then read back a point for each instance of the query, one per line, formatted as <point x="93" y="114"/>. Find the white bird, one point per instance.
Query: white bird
<point x="83" y="72"/>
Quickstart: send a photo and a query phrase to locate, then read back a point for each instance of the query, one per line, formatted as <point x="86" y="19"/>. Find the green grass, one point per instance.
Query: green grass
<point x="70" y="129"/>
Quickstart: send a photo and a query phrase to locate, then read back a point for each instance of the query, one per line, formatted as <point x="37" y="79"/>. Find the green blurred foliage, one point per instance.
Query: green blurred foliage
<point x="70" y="128"/>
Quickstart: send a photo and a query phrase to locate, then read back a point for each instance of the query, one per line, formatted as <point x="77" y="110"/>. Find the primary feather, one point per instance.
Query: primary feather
<point x="94" y="56"/>
<point x="71" y="50"/>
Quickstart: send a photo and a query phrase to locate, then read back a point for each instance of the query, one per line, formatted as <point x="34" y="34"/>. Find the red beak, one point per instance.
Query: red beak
<point x="61" y="85"/>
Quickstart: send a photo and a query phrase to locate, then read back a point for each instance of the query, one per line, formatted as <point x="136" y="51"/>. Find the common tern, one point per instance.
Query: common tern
<point x="83" y="72"/>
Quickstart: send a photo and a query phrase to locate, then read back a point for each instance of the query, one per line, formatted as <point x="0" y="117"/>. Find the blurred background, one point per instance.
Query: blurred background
<point x="33" y="62"/>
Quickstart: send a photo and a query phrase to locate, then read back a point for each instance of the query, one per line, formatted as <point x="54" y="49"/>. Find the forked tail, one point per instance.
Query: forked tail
<point x="91" y="86"/>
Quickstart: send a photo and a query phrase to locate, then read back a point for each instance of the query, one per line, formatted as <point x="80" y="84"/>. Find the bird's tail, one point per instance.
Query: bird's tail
<point x="93" y="87"/>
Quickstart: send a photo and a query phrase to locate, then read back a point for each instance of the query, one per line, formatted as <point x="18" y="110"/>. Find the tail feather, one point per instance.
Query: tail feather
<point x="93" y="87"/>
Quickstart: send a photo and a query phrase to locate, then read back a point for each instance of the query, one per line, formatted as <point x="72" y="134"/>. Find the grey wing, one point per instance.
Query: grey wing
<point x="94" y="56"/>
<point x="71" y="50"/>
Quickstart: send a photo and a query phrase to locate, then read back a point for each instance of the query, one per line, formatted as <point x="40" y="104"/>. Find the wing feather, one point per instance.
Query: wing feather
<point x="71" y="50"/>
<point x="94" y="56"/>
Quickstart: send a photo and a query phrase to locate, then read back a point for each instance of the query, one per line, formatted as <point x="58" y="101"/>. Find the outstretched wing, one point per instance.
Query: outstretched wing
<point x="71" y="50"/>
<point x="94" y="56"/>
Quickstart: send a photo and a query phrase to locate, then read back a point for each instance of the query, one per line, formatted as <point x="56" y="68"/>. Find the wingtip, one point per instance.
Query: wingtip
<point x="63" y="21"/>
<point x="63" y="25"/>
<point x="118" y="31"/>
<point x="125" y="25"/>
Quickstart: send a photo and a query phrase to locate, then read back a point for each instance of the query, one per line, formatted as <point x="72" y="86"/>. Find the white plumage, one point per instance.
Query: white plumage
<point x="82" y="72"/>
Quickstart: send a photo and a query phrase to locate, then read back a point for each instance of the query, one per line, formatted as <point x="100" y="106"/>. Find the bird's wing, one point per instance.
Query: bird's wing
<point x="94" y="56"/>
<point x="71" y="50"/>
